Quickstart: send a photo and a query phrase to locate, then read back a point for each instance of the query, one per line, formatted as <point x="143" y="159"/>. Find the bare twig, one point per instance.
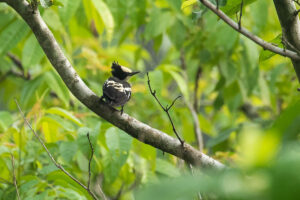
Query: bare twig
<point x="102" y="193"/>
<point x="19" y="65"/>
<point x="297" y="2"/>
<point x="197" y="129"/>
<point x="166" y="109"/>
<point x="51" y="157"/>
<point x="241" y="14"/>
<point x="198" y="75"/>
<point x="90" y="160"/>
<point x="14" y="175"/>
<point x="289" y="45"/>
<point x="16" y="61"/>
<point x="265" y="45"/>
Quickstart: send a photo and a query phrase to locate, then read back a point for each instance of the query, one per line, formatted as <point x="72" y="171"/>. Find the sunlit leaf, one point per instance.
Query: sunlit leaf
<point x="57" y="85"/>
<point x="265" y="54"/>
<point x="12" y="35"/>
<point x="68" y="10"/>
<point x="32" y="52"/>
<point x="188" y="3"/>
<point x="106" y="16"/>
<point x="64" y="113"/>
<point x="181" y="84"/>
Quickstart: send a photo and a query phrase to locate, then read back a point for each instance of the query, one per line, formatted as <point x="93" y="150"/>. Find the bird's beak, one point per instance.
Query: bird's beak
<point x="133" y="73"/>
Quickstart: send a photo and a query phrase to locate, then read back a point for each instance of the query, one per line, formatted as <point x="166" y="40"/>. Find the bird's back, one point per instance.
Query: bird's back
<point x="116" y="92"/>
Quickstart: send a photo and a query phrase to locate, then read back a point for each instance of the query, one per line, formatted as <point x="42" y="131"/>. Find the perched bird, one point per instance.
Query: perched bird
<point x="116" y="89"/>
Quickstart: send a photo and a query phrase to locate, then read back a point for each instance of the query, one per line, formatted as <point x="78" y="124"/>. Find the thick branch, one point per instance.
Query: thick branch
<point x="265" y="45"/>
<point x="130" y="125"/>
<point x="290" y="25"/>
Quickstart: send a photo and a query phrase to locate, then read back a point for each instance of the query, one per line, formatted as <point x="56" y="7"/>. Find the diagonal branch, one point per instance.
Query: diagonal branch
<point x="166" y="109"/>
<point x="265" y="45"/>
<point x="130" y="125"/>
<point x="90" y="160"/>
<point x="14" y="175"/>
<point x="51" y="157"/>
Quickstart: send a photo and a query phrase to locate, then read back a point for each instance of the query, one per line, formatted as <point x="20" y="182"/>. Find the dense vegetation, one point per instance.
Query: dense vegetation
<point x="245" y="99"/>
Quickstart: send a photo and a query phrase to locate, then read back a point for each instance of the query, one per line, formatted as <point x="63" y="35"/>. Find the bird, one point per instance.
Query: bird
<point x="116" y="89"/>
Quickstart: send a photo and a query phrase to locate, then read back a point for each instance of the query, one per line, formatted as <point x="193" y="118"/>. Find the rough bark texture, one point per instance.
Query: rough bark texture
<point x="130" y="125"/>
<point x="290" y="24"/>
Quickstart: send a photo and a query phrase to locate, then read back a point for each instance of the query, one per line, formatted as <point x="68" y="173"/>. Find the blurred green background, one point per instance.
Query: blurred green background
<point x="245" y="98"/>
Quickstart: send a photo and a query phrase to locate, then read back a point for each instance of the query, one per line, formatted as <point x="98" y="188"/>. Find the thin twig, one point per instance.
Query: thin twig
<point x="196" y="123"/>
<point x="198" y="75"/>
<point x="16" y="61"/>
<point x="166" y="109"/>
<point x="217" y="4"/>
<point x="50" y="155"/>
<point x="102" y="193"/>
<point x="241" y="14"/>
<point x="265" y="45"/>
<point x="289" y="45"/>
<point x="14" y="175"/>
<point x="297" y="2"/>
<point x="90" y="160"/>
<point x="20" y="66"/>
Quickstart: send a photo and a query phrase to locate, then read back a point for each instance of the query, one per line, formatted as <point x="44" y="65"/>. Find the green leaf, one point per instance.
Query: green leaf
<point x="52" y="20"/>
<point x="57" y="85"/>
<point x="106" y="16"/>
<point x="67" y="150"/>
<point x="264" y="90"/>
<point x="64" y="113"/>
<point x="32" y="53"/>
<point x="165" y="167"/>
<point x="266" y="54"/>
<point x="159" y="22"/>
<point x="223" y="135"/>
<point x="181" y="84"/>
<point x="5" y="120"/>
<point x="29" y="90"/>
<point x="188" y="3"/>
<point x="12" y="35"/>
<point x="119" y="144"/>
<point x="234" y="6"/>
<point x="67" y="11"/>
<point x="6" y="18"/>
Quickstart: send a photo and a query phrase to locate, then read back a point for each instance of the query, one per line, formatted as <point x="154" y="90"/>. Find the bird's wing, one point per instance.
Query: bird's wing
<point x="113" y="90"/>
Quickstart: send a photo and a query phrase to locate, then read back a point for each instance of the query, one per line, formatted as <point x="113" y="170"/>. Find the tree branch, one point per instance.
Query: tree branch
<point x="14" y="175"/>
<point x="265" y="45"/>
<point x="290" y="25"/>
<point x="193" y="110"/>
<point x="90" y="160"/>
<point x="130" y="125"/>
<point x="166" y="109"/>
<point x="51" y="157"/>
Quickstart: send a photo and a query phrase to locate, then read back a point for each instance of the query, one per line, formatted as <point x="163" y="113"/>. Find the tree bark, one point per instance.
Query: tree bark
<point x="130" y="125"/>
<point x="290" y="24"/>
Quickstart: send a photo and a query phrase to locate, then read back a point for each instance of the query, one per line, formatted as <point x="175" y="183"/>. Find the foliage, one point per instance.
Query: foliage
<point x="246" y="101"/>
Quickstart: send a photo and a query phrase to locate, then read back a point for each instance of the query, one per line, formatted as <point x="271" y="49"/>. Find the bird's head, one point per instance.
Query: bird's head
<point x="121" y="72"/>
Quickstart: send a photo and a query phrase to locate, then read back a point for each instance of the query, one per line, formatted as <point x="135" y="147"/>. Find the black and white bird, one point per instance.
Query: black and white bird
<point x="116" y="89"/>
